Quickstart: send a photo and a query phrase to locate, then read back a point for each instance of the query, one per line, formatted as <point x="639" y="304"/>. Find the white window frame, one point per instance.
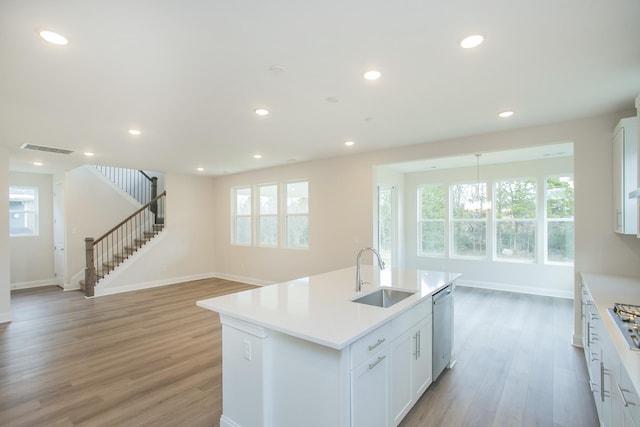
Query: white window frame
<point x="443" y="220"/>
<point x="35" y="211"/>
<point x="261" y="215"/>
<point x="236" y="216"/>
<point x="287" y="214"/>
<point x="548" y="220"/>
<point x="453" y="221"/>
<point x="534" y="220"/>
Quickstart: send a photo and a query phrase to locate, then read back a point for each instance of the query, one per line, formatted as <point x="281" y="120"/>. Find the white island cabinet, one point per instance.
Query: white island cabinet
<point x="303" y="353"/>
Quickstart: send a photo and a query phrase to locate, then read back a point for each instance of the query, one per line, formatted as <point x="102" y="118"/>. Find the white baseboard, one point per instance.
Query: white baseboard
<point x="99" y="292"/>
<point x="33" y="284"/>
<point x="226" y="422"/>
<point x="242" y="279"/>
<point x="5" y="317"/>
<point x="519" y="289"/>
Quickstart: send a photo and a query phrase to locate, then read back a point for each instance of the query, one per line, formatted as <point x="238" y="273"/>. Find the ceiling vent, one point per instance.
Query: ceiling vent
<point x="44" y="148"/>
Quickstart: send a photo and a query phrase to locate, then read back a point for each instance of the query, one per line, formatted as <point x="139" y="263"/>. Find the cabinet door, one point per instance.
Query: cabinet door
<point x="402" y="359"/>
<point x="423" y="361"/>
<point x="618" y="180"/>
<point x="370" y="385"/>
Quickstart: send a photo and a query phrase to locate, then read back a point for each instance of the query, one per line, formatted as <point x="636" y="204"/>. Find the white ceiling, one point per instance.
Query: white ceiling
<point x="189" y="74"/>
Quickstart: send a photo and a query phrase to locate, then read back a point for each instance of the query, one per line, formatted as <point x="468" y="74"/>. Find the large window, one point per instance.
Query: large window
<point x="431" y="217"/>
<point x="23" y="211"/>
<point x="515" y="222"/>
<point x="297" y="223"/>
<point x="264" y="217"/>
<point x="242" y="216"/>
<point x="268" y="211"/>
<point x="469" y="209"/>
<point x="559" y="219"/>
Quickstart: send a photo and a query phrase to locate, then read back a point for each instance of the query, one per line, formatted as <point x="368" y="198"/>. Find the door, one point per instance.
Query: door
<point x="58" y="233"/>
<point x="387" y="224"/>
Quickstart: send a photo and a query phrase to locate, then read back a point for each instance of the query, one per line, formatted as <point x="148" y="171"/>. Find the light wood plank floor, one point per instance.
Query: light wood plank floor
<point x="152" y="358"/>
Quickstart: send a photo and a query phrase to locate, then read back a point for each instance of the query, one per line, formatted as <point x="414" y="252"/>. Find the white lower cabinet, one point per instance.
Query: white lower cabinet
<point x="410" y="368"/>
<point x="370" y="390"/>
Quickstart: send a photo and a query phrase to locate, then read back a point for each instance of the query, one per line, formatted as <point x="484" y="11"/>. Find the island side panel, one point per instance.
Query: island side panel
<point x="310" y="384"/>
<point x="246" y="373"/>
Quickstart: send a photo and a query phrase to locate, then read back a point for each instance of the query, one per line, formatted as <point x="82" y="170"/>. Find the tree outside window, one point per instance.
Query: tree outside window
<point x="469" y="219"/>
<point x="516" y="219"/>
<point x="559" y="197"/>
<point x="432" y="219"/>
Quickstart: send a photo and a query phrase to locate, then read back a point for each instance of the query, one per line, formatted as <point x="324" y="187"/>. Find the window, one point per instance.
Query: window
<point x="431" y="217"/>
<point x="516" y="219"/>
<point x="469" y="219"/>
<point x="268" y="215"/>
<point x="23" y="211"/>
<point x="559" y="219"/>
<point x="297" y="216"/>
<point x="242" y="216"/>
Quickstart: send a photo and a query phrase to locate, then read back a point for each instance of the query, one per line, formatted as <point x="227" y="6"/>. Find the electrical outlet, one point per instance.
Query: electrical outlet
<point x="246" y="351"/>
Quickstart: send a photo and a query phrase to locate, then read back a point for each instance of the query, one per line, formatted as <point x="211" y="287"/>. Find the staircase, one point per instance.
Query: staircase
<point x="106" y="253"/>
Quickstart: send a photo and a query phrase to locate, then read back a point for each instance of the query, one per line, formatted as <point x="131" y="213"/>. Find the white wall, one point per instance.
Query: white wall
<point x="32" y="256"/>
<point x="5" y="282"/>
<point x="183" y="251"/>
<point x="535" y="278"/>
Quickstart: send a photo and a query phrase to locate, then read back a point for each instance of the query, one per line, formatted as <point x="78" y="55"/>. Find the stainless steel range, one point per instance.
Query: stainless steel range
<point x="627" y="317"/>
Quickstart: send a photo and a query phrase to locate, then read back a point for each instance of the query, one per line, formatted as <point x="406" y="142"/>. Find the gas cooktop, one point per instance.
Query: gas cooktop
<point x="627" y="317"/>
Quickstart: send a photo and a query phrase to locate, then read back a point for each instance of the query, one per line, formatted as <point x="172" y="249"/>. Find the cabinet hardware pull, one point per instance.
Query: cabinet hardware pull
<point x="380" y="341"/>
<point x="622" y="391"/>
<point x="374" y="364"/>
<point x="419" y="345"/>
<point x="415" y="339"/>
<point x="594" y="357"/>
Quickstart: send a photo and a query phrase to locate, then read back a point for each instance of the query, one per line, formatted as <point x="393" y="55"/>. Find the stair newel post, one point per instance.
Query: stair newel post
<point x="154" y="194"/>
<point x="90" y="269"/>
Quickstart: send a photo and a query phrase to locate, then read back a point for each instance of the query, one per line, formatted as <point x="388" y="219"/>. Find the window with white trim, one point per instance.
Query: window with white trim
<point x="268" y="215"/>
<point x="23" y="211"/>
<point x="297" y="214"/>
<point x="515" y="221"/>
<point x="242" y="219"/>
<point x="431" y="217"/>
<point x="559" y="226"/>
<point x="469" y="209"/>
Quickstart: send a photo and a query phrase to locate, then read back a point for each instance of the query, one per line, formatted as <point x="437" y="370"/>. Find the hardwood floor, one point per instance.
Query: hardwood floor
<point x="152" y="358"/>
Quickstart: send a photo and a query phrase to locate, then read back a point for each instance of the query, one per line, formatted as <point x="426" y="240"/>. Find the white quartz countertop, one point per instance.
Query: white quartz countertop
<point x="605" y="291"/>
<point x="319" y="308"/>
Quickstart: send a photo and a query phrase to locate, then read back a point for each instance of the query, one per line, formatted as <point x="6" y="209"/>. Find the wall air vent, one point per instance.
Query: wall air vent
<point x="44" y="148"/>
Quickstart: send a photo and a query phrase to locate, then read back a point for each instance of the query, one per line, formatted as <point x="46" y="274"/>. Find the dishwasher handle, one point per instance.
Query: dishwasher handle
<point x="443" y="294"/>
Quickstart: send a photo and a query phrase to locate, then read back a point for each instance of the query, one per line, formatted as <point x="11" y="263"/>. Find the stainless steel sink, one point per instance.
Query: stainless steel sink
<point x="383" y="297"/>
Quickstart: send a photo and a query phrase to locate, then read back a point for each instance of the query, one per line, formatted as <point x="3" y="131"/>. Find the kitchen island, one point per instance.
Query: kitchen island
<point x="303" y="353"/>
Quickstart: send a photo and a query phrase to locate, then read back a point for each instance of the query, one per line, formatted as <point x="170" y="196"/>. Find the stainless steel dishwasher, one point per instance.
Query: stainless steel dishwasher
<point x="442" y="330"/>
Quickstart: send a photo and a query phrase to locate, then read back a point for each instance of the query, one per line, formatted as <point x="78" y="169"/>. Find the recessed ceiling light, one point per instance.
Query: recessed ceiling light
<point x="134" y="132"/>
<point x="472" y="41"/>
<point x="200" y="169"/>
<point x="261" y="111"/>
<point x="349" y="143"/>
<point x="277" y="69"/>
<point x="505" y="114"/>
<point x="332" y="100"/>
<point x="257" y="156"/>
<point x="88" y="154"/>
<point x="37" y="163"/>
<point x="372" y="75"/>
<point x="54" y="38"/>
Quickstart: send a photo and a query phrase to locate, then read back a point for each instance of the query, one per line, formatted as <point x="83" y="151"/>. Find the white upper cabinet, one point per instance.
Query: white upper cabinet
<point x="625" y="176"/>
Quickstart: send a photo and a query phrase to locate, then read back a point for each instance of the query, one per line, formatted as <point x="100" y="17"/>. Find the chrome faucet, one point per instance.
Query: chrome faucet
<point x="359" y="280"/>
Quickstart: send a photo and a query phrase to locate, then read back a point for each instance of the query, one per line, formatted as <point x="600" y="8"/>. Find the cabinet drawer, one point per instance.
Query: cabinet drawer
<point x="374" y="341"/>
<point x="411" y="317"/>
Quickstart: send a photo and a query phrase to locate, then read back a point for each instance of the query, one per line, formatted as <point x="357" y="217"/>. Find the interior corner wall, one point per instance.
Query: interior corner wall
<point x="184" y="251"/>
<point x="5" y="265"/>
<point x="32" y="256"/>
